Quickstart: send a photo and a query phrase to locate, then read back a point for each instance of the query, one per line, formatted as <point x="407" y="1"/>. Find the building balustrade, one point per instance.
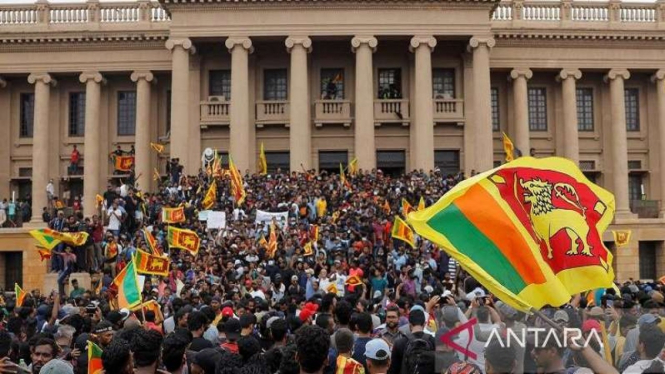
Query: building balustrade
<point x="272" y="112"/>
<point x="448" y="110"/>
<point x="215" y="112"/>
<point x="332" y="111"/>
<point x="391" y="111"/>
<point x="645" y="208"/>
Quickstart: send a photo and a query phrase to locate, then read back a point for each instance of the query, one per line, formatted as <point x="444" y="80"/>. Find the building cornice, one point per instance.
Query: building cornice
<point x="27" y="42"/>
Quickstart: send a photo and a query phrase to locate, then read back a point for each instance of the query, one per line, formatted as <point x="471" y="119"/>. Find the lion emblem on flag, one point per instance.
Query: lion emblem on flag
<point x="548" y="220"/>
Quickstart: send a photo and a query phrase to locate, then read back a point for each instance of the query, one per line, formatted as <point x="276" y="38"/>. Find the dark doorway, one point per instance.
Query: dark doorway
<point x="392" y="163"/>
<point x="13" y="268"/>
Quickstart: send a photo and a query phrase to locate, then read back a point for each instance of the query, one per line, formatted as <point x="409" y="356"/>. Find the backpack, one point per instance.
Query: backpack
<point x="414" y="355"/>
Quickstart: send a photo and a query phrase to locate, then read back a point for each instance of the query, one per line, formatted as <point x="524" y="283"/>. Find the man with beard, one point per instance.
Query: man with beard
<point x="45" y="350"/>
<point x="391" y="332"/>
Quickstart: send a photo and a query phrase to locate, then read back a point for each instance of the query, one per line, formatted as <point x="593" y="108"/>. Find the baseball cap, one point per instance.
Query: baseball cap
<point x="227" y="312"/>
<point x="505" y="309"/>
<point x="207" y="359"/>
<point x="232" y="328"/>
<point x="591" y="324"/>
<point x="377" y="349"/>
<point x="103" y="326"/>
<point x="560" y="316"/>
<point x="450" y="313"/>
<point x="596" y="311"/>
<point x="57" y="367"/>
<point x="647" y="319"/>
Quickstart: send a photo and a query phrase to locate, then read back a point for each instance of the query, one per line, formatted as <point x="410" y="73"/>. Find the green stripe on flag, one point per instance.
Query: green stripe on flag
<point x="130" y="285"/>
<point x="468" y="240"/>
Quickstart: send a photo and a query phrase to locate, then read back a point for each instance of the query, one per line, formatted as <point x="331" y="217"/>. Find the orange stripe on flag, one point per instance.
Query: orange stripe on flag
<point x="508" y="238"/>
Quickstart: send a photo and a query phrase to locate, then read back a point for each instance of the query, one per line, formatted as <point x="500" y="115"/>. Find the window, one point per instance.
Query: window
<point x="332" y="84"/>
<point x="330" y="160"/>
<point x="390" y="84"/>
<point x="219" y="83"/>
<point x="584" y="98"/>
<point x="77" y="114"/>
<point x="447" y="161"/>
<point x="635" y="186"/>
<point x="278" y="160"/>
<point x="592" y="176"/>
<point x="27" y="114"/>
<point x="275" y="86"/>
<point x="537" y="109"/>
<point x="126" y="112"/>
<point x="647" y="260"/>
<point x="391" y="163"/>
<point x="443" y="83"/>
<point x="632" y="99"/>
<point x="496" y="124"/>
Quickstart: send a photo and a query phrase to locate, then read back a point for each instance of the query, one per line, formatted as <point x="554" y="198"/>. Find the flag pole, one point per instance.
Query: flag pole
<point x="547" y="319"/>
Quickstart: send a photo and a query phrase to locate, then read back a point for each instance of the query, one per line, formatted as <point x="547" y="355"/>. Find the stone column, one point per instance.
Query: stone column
<point x="5" y="142"/>
<point x="40" y="139"/>
<point x="364" y="143"/>
<point x="571" y="141"/>
<point x="422" y="130"/>
<point x="619" y="141"/>
<point x="521" y="101"/>
<point x="300" y="132"/>
<point x="142" y="161"/>
<point x="240" y="48"/>
<point x="91" y="156"/>
<point x="659" y="79"/>
<point x="180" y="49"/>
<point x="484" y="148"/>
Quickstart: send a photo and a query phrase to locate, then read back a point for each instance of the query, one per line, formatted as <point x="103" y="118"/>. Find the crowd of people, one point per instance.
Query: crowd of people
<point x="234" y="308"/>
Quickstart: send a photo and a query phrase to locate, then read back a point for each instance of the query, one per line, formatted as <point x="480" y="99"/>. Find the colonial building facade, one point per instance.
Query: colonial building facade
<point x="399" y="84"/>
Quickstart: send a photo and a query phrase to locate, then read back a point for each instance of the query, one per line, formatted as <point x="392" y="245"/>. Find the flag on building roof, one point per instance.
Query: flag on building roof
<point x="173" y="215"/>
<point x="529" y="231"/>
<point x="127" y="284"/>
<point x="263" y="161"/>
<point x="508" y="148"/>
<point x="421" y="203"/>
<point x="353" y="166"/>
<point x="159" y="148"/>
<point x="621" y="237"/>
<point x="182" y="238"/>
<point x="403" y="232"/>
<point x="210" y="197"/>
<point x="406" y="208"/>
<point x="20" y="294"/>
<point x="237" y="185"/>
<point x="94" y="358"/>
<point x="151" y="264"/>
<point x="124" y="163"/>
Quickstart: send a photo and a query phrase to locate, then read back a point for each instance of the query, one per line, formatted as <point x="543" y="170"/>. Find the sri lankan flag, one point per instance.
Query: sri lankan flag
<point x="353" y="166"/>
<point x="406" y="208"/>
<point x="210" y="197"/>
<point x="155" y="174"/>
<point x="237" y="186"/>
<point x="173" y="215"/>
<point x="272" y="242"/>
<point x="94" y="358"/>
<point x="151" y="264"/>
<point x="314" y="233"/>
<point x="45" y="238"/>
<point x="386" y="206"/>
<point x="98" y="200"/>
<point x="44" y="254"/>
<point x="308" y="250"/>
<point x="159" y="148"/>
<point x="154" y="306"/>
<point x="530" y="231"/>
<point x="263" y="161"/>
<point x="127" y="284"/>
<point x="509" y="148"/>
<point x="403" y="232"/>
<point x="20" y="295"/>
<point x="124" y="163"/>
<point x="342" y="177"/>
<point x="347" y="365"/>
<point x="152" y="242"/>
<point x="185" y="239"/>
<point x="621" y="237"/>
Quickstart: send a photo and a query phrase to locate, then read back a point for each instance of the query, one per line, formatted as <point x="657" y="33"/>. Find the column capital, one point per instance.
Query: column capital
<point x="477" y="41"/>
<point x="359" y="40"/>
<point x="292" y="41"/>
<point x="424" y="40"/>
<point x="95" y="76"/>
<point x="3" y="82"/>
<point x="616" y="73"/>
<point x="526" y="73"/>
<point x="184" y="43"/>
<point x="569" y="73"/>
<point x="42" y="77"/>
<point x="243" y="42"/>
<point x="143" y="75"/>
<point x="659" y="75"/>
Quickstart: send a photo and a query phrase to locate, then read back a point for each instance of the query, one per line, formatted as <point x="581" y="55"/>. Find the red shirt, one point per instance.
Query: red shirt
<point x="74" y="158"/>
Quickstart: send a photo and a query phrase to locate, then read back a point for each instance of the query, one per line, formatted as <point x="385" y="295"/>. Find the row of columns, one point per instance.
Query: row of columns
<point x="619" y="143"/>
<point x="300" y="142"/>
<point x="92" y="158"/>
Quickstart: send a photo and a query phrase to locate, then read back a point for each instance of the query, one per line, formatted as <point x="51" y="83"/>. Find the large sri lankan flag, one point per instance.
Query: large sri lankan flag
<point x="530" y="231"/>
<point x="127" y="284"/>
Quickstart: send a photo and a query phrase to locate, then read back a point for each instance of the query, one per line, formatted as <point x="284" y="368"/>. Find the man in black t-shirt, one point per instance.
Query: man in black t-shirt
<point x="417" y="326"/>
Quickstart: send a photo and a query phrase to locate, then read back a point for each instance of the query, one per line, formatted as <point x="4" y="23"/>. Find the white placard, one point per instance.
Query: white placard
<point x="216" y="220"/>
<point x="203" y="215"/>
<point x="266" y="218"/>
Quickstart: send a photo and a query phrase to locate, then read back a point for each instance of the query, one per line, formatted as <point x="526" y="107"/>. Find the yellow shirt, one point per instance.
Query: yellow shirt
<point x="321" y="207"/>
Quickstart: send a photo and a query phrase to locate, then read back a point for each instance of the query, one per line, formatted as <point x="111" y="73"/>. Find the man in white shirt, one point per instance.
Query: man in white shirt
<point x="115" y="218"/>
<point x="50" y="193"/>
